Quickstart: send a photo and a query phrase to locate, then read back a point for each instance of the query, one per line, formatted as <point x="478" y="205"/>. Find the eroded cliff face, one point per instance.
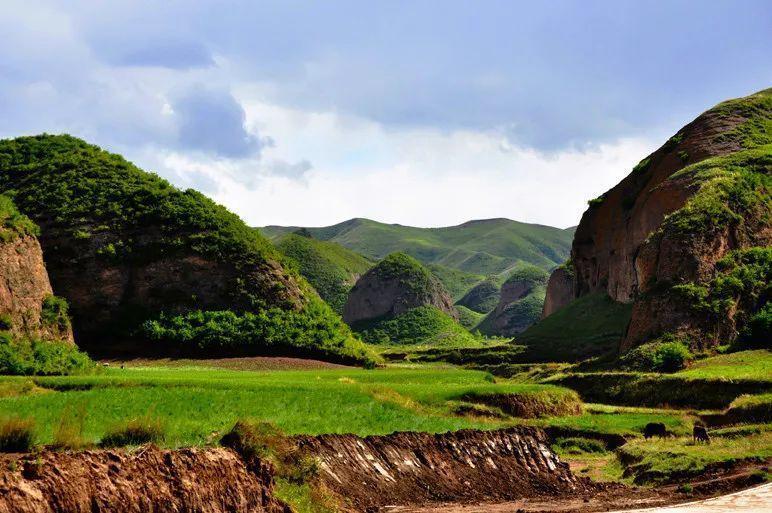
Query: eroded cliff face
<point x="659" y="235"/>
<point x="611" y="231"/>
<point x="461" y="466"/>
<point x="150" y="479"/>
<point x="397" y="284"/>
<point x="24" y="286"/>
<point x="561" y="290"/>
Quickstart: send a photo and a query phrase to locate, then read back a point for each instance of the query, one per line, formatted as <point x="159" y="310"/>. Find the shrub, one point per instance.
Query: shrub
<point x="757" y="333"/>
<point x="263" y="440"/>
<point x="422" y="325"/>
<point x="24" y="357"/>
<point x="668" y="356"/>
<point x="315" y="332"/>
<point x="54" y="312"/>
<point x="139" y="431"/>
<point x="6" y="322"/>
<point x="16" y="434"/>
<point x="574" y="445"/>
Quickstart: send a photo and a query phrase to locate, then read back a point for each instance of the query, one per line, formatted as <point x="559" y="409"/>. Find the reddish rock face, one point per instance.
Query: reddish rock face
<point x="23" y="287"/>
<point x="610" y="234"/>
<point x="376" y="295"/>
<point x="560" y="291"/>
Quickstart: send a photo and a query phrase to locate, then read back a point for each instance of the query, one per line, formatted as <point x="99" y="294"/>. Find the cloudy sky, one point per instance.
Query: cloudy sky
<point x="426" y="113"/>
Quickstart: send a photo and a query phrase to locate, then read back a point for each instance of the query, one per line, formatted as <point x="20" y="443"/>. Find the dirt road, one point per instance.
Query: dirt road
<point x="752" y="500"/>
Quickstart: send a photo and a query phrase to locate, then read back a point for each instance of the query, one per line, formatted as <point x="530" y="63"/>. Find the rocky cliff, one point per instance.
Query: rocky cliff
<point x="520" y="303"/>
<point x="659" y="239"/>
<point x="560" y="289"/>
<point x="397" y="284"/>
<point x="27" y="305"/>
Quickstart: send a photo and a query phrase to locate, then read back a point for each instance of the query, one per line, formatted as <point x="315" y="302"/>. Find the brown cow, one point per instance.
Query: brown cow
<point x="700" y="434"/>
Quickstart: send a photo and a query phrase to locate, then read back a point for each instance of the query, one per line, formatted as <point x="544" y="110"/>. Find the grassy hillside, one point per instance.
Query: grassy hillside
<point x="590" y="326"/>
<point x="422" y="326"/>
<point x="456" y="282"/>
<point x="329" y="267"/>
<point x="482" y="247"/>
<point x="139" y="260"/>
<point x="513" y="315"/>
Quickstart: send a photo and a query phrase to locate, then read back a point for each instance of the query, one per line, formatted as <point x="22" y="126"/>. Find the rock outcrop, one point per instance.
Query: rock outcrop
<point x="560" y="290"/>
<point x="124" y="246"/>
<point x="657" y="238"/>
<point x="520" y="303"/>
<point x="461" y="466"/>
<point x="27" y="305"/>
<point x="150" y="479"/>
<point x="398" y="283"/>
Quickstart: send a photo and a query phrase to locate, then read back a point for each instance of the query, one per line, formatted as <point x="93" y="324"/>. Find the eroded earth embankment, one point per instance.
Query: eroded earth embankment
<point x="149" y="479"/>
<point x="462" y="466"/>
<point x="365" y="473"/>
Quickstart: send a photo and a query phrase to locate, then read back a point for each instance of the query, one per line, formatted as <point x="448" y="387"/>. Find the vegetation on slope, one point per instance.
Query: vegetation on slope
<point x="33" y="357"/>
<point x="520" y="303"/>
<point x="456" y="282"/>
<point x="424" y="325"/>
<point x="483" y="297"/>
<point x="97" y="211"/>
<point x="468" y="318"/>
<point x="482" y="247"/>
<point x="13" y="223"/>
<point x="329" y="267"/>
<point x="589" y="326"/>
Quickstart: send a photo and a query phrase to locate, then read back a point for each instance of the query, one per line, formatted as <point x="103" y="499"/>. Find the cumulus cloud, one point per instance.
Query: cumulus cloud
<point x="212" y="120"/>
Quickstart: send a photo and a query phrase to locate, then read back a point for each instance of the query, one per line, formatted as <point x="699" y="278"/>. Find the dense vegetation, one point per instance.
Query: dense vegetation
<point x="99" y="211"/>
<point x="329" y="267"/>
<point x="483" y="297"/>
<point x="12" y="222"/>
<point x="413" y="276"/>
<point x="483" y="247"/>
<point x="425" y="325"/>
<point x="27" y="357"/>
<point x="271" y="331"/>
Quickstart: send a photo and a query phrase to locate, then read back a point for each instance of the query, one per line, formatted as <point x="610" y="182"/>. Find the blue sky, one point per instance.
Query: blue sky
<point x="424" y="112"/>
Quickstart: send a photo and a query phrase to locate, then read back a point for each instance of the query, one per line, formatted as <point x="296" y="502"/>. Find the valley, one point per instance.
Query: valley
<point x="151" y="340"/>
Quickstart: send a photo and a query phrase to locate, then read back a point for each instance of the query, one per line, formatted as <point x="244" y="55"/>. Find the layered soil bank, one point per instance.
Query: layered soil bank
<point x="151" y="479"/>
<point x="462" y="466"/>
<point x="366" y="474"/>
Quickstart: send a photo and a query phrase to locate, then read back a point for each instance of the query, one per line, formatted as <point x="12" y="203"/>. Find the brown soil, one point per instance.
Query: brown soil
<point x="463" y="466"/>
<point x="149" y="480"/>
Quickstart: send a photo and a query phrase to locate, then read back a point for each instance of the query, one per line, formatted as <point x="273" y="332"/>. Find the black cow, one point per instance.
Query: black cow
<point x="654" y="429"/>
<point x="700" y="434"/>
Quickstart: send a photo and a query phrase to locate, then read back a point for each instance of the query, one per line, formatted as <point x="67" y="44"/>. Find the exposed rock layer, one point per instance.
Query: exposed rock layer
<point x="24" y="285"/>
<point x="183" y="481"/>
<point x="560" y="291"/>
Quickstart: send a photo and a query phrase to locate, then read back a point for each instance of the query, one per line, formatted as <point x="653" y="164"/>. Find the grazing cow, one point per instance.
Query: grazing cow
<point x="700" y="434"/>
<point x="654" y="429"/>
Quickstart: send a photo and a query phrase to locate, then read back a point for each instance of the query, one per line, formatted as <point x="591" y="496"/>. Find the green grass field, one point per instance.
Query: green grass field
<point x="755" y="365"/>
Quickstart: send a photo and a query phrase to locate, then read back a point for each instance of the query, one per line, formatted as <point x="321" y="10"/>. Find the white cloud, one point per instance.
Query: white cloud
<point x="422" y="177"/>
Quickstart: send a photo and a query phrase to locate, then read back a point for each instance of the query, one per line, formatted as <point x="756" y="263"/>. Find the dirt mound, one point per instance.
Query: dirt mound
<point x="531" y="406"/>
<point x="187" y="480"/>
<point x="462" y="466"/>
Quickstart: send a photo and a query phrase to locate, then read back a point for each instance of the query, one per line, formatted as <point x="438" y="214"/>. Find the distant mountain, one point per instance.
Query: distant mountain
<point x="329" y="267"/>
<point x="484" y="247"/>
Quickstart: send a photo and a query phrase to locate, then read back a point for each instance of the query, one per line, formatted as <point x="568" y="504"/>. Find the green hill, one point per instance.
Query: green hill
<point x="484" y="247"/>
<point x="149" y="268"/>
<point x="521" y="299"/>
<point x="329" y="267"/>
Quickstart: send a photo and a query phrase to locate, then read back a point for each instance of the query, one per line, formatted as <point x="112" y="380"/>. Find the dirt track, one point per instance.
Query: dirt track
<point x="753" y="500"/>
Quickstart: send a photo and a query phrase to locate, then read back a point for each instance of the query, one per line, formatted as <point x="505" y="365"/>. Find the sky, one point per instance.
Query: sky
<point x="425" y="113"/>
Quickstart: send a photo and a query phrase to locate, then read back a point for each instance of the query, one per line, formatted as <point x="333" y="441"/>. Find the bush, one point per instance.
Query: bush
<point x="757" y="333"/>
<point x="54" y="312"/>
<point x="668" y="356"/>
<point x="6" y="322"/>
<point x="16" y="434"/>
<point x="580" y="445"/>
<point x="263" y="440"/>
<point x="139" y="431"/>
<point x="315" y="332"/>
<point x="422" y="325"/>
<point x="23" y="357"/>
